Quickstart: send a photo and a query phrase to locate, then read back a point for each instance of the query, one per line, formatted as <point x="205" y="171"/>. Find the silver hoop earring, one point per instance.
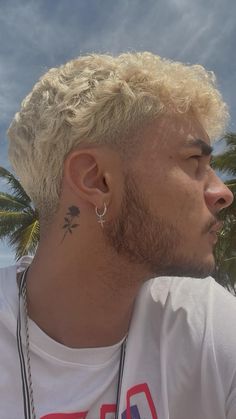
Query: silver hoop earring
<point x="100" y="216"/>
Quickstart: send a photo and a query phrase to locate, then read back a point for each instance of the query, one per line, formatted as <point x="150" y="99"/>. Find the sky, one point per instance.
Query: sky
<point x="39" y="34"/>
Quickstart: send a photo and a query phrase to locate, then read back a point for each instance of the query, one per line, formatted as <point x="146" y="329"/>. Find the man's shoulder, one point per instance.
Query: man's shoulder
<point x="189" y="323"/>
<point x="7" y="277"/>
<point x="179" y="287"/>
<point x="201" y="306"/>
<point x="169" y="294"/>
<point x="8" y="289"/>
<point x="193" y="303"/>
<point x="187" y="291"/>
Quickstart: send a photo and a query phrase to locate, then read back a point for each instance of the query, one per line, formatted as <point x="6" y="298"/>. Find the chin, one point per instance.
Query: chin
<point x="205" y="268"/>
<point x="196" y="269"/>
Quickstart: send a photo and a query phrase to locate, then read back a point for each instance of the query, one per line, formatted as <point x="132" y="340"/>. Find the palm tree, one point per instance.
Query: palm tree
<point x="225" y="251"/>
<point x="226" y="162"/>
<point x="19" y="220"/>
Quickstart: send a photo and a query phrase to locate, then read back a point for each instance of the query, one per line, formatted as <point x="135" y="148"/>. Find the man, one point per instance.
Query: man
<point x="115" y="154"/>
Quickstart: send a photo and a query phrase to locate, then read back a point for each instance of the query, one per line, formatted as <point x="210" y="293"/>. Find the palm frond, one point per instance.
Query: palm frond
<point x="11" y="202"/>
<point x="25" y="239"/>
<point x="225" y="162"/>
<point x="19" y="220"/>
<point x="11" y="220"/>
<point x="15" y="186"/>
<point x="230" y="138"/>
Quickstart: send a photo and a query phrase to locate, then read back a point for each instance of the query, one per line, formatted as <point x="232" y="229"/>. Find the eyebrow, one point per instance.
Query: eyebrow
<point x="206" y="149"/>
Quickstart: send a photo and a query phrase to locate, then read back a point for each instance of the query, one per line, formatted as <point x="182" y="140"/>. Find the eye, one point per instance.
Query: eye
<point x="201" y="163"/>
<point x="195" y="161"/>
<point x="196" y="156"/>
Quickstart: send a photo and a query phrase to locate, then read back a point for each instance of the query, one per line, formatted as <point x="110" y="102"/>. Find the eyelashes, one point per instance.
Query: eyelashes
<point x="201" y="163"/>
<point x="196" y="157"/>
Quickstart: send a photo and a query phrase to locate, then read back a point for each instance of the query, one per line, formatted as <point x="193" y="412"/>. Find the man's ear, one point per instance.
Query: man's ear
<point x="85" y="173"/>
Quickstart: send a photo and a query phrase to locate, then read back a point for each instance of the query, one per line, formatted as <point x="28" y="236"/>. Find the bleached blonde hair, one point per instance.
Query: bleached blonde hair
<point x="101" y="99"/>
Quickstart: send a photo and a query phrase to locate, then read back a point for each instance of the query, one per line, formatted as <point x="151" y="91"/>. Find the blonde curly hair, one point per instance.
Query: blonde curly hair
<point x="101" y="99"/>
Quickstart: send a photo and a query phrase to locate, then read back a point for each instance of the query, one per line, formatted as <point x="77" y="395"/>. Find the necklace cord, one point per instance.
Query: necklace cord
<point x="120" y="377"/>
<point x="25" y="387"/>
<point x="31" y="394"/>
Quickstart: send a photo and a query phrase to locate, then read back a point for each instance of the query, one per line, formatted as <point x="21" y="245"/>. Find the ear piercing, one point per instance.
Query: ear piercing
<point x="100" y="216"/>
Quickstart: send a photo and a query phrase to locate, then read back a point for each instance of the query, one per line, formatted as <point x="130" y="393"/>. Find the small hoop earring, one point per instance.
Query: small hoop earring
<point x="100" y="216"/>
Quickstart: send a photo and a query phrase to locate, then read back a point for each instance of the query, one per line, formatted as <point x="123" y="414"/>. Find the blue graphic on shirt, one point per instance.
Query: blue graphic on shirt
<point x="133" y="411"/>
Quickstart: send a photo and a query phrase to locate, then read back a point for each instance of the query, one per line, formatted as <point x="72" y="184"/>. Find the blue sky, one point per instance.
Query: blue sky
<point x="37" y="35"/>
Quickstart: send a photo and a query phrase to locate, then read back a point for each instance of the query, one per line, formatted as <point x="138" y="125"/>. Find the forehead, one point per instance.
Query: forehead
<point x="174" y="132"/>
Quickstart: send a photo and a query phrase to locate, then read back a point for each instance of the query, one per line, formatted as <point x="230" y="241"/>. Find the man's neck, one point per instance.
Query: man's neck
<point x="82" y="302"/>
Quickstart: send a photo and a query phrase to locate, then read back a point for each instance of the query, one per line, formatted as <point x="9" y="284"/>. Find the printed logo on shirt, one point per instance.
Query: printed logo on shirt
<point x="74" y="415"/>
<point x="139" y="404"/>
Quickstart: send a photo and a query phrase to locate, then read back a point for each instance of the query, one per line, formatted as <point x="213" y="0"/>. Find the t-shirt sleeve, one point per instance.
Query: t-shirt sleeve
<point x="223" y="312"/>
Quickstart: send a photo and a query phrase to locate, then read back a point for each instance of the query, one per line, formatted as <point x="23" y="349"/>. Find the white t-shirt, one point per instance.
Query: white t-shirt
<point x="180" y="359"/>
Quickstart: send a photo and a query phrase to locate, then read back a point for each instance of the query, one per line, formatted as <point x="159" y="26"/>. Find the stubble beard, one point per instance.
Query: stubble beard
<point x="149" y="241"/>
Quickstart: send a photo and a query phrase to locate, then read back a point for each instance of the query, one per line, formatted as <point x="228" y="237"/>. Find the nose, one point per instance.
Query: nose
<point x="218" y="195"/>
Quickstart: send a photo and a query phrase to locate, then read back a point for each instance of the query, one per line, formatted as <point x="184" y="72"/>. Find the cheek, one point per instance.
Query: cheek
<point x="176" y="197"/>
<point x="189" y="200"/>
<point x="170" y="193"/>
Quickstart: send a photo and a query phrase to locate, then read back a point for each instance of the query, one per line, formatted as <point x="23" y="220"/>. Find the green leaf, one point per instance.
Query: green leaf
<point x="15" y="186"/>
<point x="19" y="220"/>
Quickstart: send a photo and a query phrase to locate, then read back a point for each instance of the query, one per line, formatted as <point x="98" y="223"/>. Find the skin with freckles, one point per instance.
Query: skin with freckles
<point x="162" y="208"/>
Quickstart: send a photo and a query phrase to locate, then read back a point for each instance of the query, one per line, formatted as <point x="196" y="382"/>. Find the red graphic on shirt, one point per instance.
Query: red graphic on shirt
<point x="74" y="415"/>
<point x="134" y="391"/>
<point x="106" y="409"/>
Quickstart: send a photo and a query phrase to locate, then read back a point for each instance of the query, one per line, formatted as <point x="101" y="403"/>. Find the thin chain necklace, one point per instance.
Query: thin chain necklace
<point x="26" y="376"/>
